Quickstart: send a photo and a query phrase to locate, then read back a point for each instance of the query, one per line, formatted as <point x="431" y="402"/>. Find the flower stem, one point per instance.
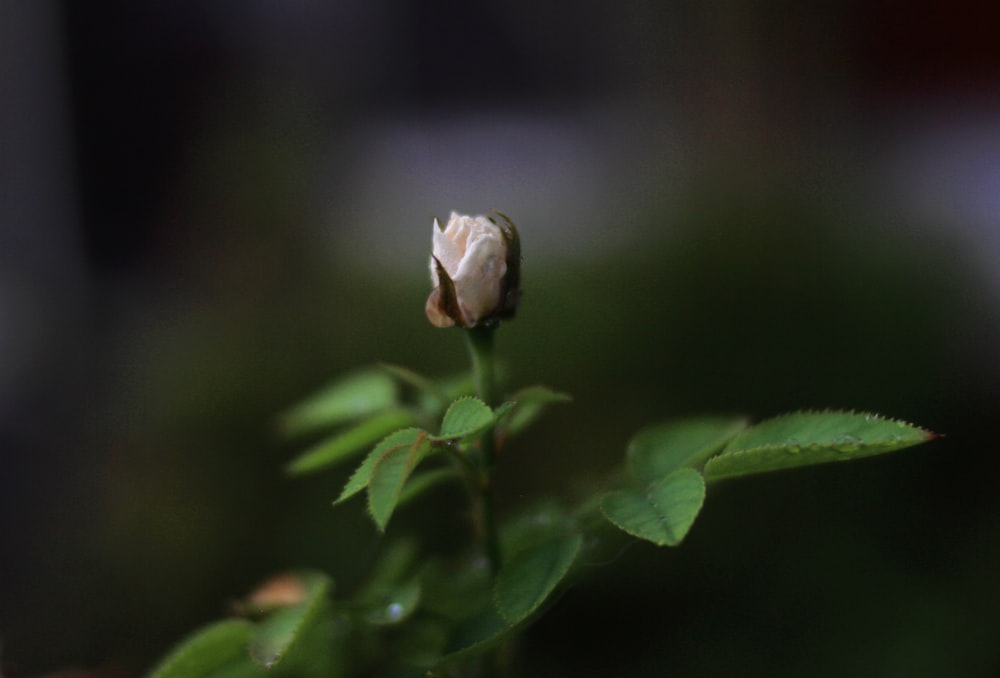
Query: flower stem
<point x="480" y="340"/>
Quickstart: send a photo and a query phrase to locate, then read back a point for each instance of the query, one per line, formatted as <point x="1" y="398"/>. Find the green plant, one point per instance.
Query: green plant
<point x="420" y="614"/>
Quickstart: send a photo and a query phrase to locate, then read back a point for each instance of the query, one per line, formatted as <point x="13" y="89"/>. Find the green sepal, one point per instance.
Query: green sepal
<point x="447" y="297"/>
<point x="511" y="292"/>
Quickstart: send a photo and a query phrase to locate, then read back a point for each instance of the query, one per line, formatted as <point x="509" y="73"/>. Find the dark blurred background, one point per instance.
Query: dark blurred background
<point x="208" y="209"/>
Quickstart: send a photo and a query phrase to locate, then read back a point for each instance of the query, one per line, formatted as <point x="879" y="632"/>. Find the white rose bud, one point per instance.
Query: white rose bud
<point x="475" y="269"/>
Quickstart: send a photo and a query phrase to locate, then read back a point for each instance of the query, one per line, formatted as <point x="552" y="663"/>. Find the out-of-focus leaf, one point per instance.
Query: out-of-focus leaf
<point x="525" y="582"/>
<point x="659" y="450"/>
<point x="457" y="385"/>
<point x="389" y="475"/>
<point x="393" y="565"/>
<point x="206" y="651"/>
<point x="465" y="417"/>
<point x="457" y="589"/>
<point x="501" y="410"/>
<point x="278" y="632"/>
<point x="420" y="643"/>
<point x="395" y="604"/>
<point x="425" y="481"/>
<point x="664" y="513"/>
<point x="279" y="591"/>
<point x="544" y="520"/>
<point x="422" y="384"/>
<point x="355" y="395"/>
<point x="476" y="636"/>
<point x="359" y="480"/>
<point x="529" y="404"/>
<point x="241" y="667"/>
<point x="806" y="438"/>
<point x="350" y="442"/>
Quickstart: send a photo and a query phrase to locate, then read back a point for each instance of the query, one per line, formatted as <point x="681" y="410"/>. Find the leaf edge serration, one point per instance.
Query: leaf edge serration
<point x="441" y="436"/>
<point x="878" y="446"/>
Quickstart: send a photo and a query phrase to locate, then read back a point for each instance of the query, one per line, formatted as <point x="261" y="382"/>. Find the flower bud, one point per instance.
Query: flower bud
<point x="475" y="269"/>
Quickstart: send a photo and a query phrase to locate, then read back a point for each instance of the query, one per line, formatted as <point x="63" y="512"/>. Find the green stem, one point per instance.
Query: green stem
<point x="480" y="341"/>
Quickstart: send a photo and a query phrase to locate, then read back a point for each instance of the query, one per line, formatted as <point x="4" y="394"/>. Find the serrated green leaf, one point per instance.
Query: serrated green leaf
<point x="529" y="403"/>
<point x="465" y="417"/>
<point x="359" y="480"/>
<point x="275" y="636"/>
<point x="806" y="438"/>
<point x="389" y="475"/>
<point x="525" y="582"/>
<point x="662" y="515"/>
<point x="355" y="395"/>
<point x="350" y="442"/>
<point x="205" y="651"/>
<point x="661" y="449"/>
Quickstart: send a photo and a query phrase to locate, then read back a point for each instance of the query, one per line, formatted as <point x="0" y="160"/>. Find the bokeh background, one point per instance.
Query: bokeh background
<point x="209" y="209"/>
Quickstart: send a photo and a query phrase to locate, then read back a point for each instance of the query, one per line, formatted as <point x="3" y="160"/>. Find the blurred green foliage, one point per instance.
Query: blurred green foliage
<point x="749" y="306"/>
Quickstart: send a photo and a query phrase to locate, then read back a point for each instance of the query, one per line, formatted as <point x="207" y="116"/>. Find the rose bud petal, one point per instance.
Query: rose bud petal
<point x="473" y="266"/>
